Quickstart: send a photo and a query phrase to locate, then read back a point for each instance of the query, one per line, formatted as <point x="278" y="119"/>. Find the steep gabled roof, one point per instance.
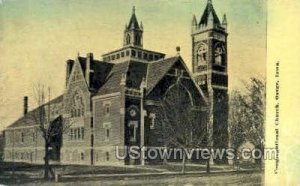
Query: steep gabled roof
<point x="30" y="118"/>
<point x="135" y="74"/>
<point x="101" y="71"/>
<point x="113" y="80"/>
<point x="157" y="70"/>
<point x="209" y="13"/>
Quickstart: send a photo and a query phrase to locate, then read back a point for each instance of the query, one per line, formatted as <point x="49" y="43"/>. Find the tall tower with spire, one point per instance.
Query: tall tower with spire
<point x="209" y="64"/>
<point x="132" y="49"/>
<point x="133" y="33"/>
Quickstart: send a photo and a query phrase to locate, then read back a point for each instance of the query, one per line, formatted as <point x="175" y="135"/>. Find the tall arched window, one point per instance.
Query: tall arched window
<point x="77" y="109"/>
<point x="178" y="96"/>
<point x="128" y="39"/>
<point x="137" y="39"/>
<point x="219" y="55"/>
<point x="202" y="54"/>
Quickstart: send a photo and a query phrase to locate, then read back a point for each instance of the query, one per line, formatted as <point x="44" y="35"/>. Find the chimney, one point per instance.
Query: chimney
<point x="25" y="105"/>
<point x="70" y="64"/>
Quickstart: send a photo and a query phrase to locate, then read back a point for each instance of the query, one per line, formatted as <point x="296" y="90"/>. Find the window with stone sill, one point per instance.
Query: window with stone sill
<point x="82" y="133"/>
<point x="77" y="105"/>
<point x="202" y="54"/>
<point x="71" y="134"/>
<point x="106" y="127"/>
<point x="107" y="134"/>
<point x="33" y="137"/>
<point x="219" y="55"/>
<point x="82" y="156"/>
<point x="77" y="133"/>
<point x="132" y="130"/>
<point x="107" y="156"/>
<point x="107" y="109"/>
<point x="22" y="137"/>
<point x="152" y="117"/>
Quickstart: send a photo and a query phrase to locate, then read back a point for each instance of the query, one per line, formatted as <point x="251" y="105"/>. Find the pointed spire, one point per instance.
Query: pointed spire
<point x="194" y="21"/>
<point x="209" y="14"/>
<point x="133" y="23"/>
<point x="194" y="24"/>
<point x="224" y="22"/>
<point x="210" y="20"/>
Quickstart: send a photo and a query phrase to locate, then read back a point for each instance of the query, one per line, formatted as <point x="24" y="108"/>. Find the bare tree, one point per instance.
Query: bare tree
<point x="50" y="126"/>
<point x="247" y="115"/>
<point x="181" y="126"/>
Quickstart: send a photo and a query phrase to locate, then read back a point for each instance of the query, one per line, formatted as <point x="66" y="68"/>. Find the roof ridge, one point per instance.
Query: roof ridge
<point x="163" y="59"/>
<point x="29" y="114"/>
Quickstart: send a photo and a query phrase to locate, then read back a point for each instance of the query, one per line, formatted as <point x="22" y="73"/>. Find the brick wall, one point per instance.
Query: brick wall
<point x="108" y="128"/>
<point x="24" y="145"/>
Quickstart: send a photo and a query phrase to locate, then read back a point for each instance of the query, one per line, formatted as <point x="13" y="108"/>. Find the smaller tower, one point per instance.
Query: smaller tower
<point x="133" y="33"/>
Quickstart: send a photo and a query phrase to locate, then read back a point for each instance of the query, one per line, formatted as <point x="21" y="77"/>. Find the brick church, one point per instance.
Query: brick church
<point x="115" y="101"/>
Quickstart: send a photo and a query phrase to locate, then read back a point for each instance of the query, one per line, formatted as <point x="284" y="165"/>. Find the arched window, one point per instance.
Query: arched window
<point x="77" y="103"/>
<point x="137" y="39"/>
<point x="128" y="39"/>
<point x="179" y="96"/>
<point x="202" y="54"/>
<point x="219" y="55"/>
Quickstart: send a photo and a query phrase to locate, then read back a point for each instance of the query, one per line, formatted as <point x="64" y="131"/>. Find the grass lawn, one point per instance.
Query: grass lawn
<point x="21" y="173"/>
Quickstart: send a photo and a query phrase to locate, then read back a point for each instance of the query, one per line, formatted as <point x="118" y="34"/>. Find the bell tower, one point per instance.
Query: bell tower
<point x="209" y="65"/>
<point x="133" y="33"/>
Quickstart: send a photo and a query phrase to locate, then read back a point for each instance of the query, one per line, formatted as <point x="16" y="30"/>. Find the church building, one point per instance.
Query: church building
<point x="115" y="101"/>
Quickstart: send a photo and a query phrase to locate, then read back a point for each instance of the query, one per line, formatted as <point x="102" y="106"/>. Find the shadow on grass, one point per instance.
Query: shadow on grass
<point x="16" y="179"/>
<point x="80" y="170"/>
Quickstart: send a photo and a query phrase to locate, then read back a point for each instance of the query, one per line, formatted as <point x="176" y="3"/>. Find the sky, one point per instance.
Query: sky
<point x="38" y="36"/>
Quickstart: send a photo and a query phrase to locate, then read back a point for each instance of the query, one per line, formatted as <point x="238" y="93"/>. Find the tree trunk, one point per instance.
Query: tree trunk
<point x="47" y="167"/>
<point x="46" y="162"/>
<point x="183" y="163"/>
<point x="208" y="166"/>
